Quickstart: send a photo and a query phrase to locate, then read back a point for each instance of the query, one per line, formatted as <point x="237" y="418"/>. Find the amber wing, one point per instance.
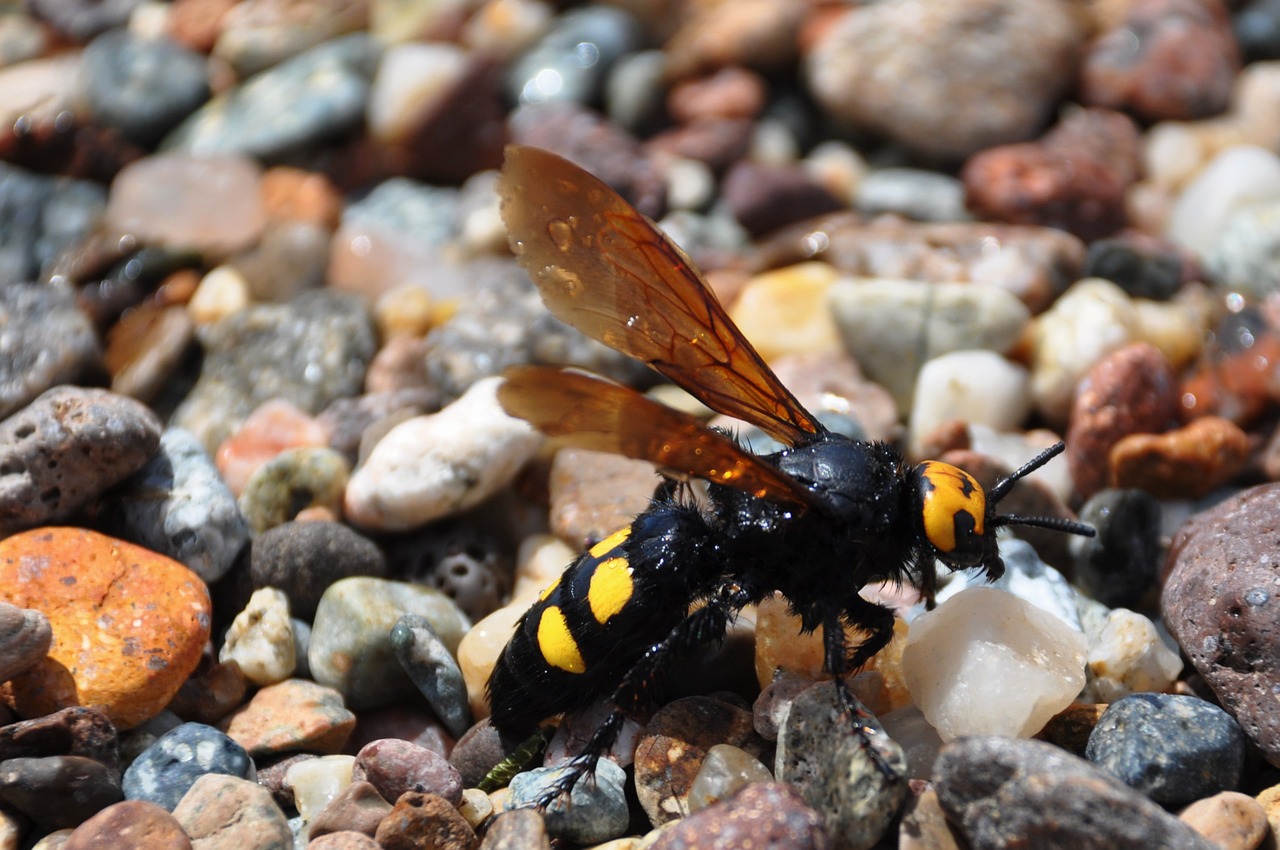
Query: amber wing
<point x="593" y="413"/>
<point x="608" y="271"/>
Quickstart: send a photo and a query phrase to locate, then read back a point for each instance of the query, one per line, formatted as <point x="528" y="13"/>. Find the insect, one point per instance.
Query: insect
<point x="816" y="521"/>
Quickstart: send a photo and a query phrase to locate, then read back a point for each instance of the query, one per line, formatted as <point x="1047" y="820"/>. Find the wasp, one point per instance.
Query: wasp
<point x="817" y="521"/>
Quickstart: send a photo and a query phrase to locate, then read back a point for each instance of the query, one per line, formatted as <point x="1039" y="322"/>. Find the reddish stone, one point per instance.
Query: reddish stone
<point x="593" y="494"/>
<point x="766" y="197"/>
<point x="271" y="428"/>
<point x="198" y="23"/>
<point x="1239" y="384"/>
<point x="293" y="194"/>
<point x="292" y="715"/>
<point x="728" y="93"/>
<point x="132" y="823"/>
<point x="1188" y="463"/>
<point x="424" y="820"/>
<point x="129" y="625"/>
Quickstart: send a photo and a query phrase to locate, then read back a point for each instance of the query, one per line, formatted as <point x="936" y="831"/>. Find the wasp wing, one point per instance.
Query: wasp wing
<point x="592" y="413"/>
<point x="604" y="268"/>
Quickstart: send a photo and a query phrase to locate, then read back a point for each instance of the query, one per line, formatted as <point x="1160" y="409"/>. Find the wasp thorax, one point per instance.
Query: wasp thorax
<point x="953" y="510"/>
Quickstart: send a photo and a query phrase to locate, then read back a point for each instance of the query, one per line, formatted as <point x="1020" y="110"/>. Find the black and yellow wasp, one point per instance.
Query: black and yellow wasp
<point x="816" y="522"/>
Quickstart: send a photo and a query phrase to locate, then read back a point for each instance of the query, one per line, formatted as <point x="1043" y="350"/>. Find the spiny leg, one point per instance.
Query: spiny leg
<point x="636" y="688"/>
<point x="878" y="621"/>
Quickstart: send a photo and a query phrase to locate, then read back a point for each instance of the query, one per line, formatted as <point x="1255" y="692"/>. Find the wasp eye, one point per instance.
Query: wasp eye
<point x="953" y="510"/>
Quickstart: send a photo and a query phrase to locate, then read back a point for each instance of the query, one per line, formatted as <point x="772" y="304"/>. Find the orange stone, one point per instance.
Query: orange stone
<point x="1188" y="463"/>
<point x="289" y="716"/>
<point x="129" y="625"/>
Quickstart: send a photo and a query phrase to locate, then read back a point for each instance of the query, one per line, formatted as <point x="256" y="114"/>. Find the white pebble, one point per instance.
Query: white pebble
<point x="989" y="663"/>
<point x="222" y="292"/>
<point x="1129" y="657"/>
<point x="690" y="184"/>
<point x="1234" y="178"/>
<point x="260" y="639"/>
<point x="979" y="387"/>
<point x="434" y="466"/>
<point x="411" y="80"/>
<point x="315" y="782"/>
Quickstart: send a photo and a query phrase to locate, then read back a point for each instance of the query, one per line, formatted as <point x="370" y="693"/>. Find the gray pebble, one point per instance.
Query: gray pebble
<point x="571" y="61"/>
<point x="911" y="192"/>
<point x="178" y="505"/>
<point x="433" y="670"/>
<point x="45" y="339"/>
<point x="1119" y="565"/>
<point x="1243" y="256"/>
<point x="596" y="808"/>
<point x="401" y="205"/>
<point x="166" y="770"/>
<point x="65" y="449"/>
<point x="58" y="791"/>
<point x="25" y="638"/>
<point x="297" y="478"/>
<point x="304" y="558"/>
<point x="81" y="20"/>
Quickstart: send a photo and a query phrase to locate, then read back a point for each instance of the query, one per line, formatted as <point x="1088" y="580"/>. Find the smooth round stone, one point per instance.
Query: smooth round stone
<point x="987" y="662"/>
<point x="46" y="338"/>
<point x="1128" y="656"/>
<point x="65" y="449"/>
<point x="224" y="811"/>
<point x="25" y="638"/>
<point x="725" y="771"/>
<point x="141" y="86"/>
<point x="594" y="811"/>
<point x="914" y="193"/>
<point x="1119" y="565"/>
<point x="358" y="807"/>
<point x="762" y="814"/>
<point x="395" y="767"/>
<point x="430" y="467"/>
<point x="221" y="293"/>
<point x="304" y="558"/>
<point x="571" y="61"/>
<point x="1231" y="820"/>
<point x="128" y="625"/>
<point x="169" y="767"/>
<point x="892" y="327"/>
<point x="351" y="647"/>
<point x="979" y="387"/>
<point x="326" y="88"/>
<point x="424" y="820"/>
<point x="293" y="715"/>
<point x="1174" y="749"/>
<point x="480" y="647"/>
<point x="292" y="481"/>
<point x="412" y="80"/>
<point x="784" y="311"/>
<point x="132" y="823"/>
<point x="833" y="770"/>
<point x="178" y="505"/>
<point x="1235" y="178"/>
<point x="58" y="791"/>
<point x="434" y="671"/>
<point x="211" y="204"/>
<point x="260" y="639"/>
<point x="316" y="782"/>
<point x="1006" y="792"/>
<point x="258" y="34"/>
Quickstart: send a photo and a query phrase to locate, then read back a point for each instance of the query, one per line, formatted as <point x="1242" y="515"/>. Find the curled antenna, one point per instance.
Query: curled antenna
<point x="1003" y="487"/>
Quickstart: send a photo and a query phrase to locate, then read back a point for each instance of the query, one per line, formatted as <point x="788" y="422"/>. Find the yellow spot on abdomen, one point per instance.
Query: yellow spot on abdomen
<point x="613" y="541"/>
<point x="556" y="644"/>
<point x="610" y="589"/>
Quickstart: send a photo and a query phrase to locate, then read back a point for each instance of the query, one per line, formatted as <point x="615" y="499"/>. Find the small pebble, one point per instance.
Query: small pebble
<point x="1189" y="462"/>
<point x="914" y="193"/>
<point x="594" y="811"/>
<point x="47" y="339"/>
<point x="784" y="311"/>
<point x="25" y="638"/>
<point x="1128" y="656"/>
<point x="274" y="426"/>
<point x="293" y="715"/>
<point x="210" y="694"/>
<point x="291" y="482"/>
<point x="765" y="197"/>
<point x="132" y="823"/>
<point x="979" y="387"/>
<point x="74" y="731"/>
<point x="303" y="559"/>
<point x="164" y="772"/>
<point x="357" y="807"/>
<point x="258" y="34"/>
<point x="424" y="820"/>
<point x="433" y="670"/>
<point x="1174" y="749"/>
<point x="571" y="60"/>
<point x="260" y="640"/>
<point x="1141" y="266"/>
<point x="316" y="782"/>
<point x="58" y="791"/>
<point x="762" y="814"/>
<point x="396" y="767"/>
<point x="726" y="770"/>
<point x="344" y="840"/>
<point x="1119" y="565"/>
<point x="226" y="812"/>
<point x="1237" y="177"/>
<point x="1231" y="820"/>
<point x="593" y="494"/>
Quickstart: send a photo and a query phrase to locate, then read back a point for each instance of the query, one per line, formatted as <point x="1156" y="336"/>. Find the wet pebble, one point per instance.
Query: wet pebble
<point x="292" y="715"/>
<point x="226" y="813"/>
<point x="572" y="60"/>
<point x="1231" y="820"/>
<point x="58" y="791"/>
<point x="303" y="559"/>
<point x="1188" y="462"/>
<point x="1118" y="566"/>
<point x="46" y="338"/>
<point x="291" y="482"/>
<point x="165" y="771"/>
<point x="128" y="624"/>
<point x="65" y="449"/>
<point x="76" y="731"/>
<point x="178" y="505"/>
<point x="1129" y="656"/>
<point x="315" y="782"/>
<point x="358" y="808"/>
<point x="25" y="638"/>
<point x="396" y="767"/>
<point x="1004" y="792"/>
<point x="131" y="823"/>
<point x="594" y="811"/>
<point x="763" y="814"/>
<point x="351" y="647"/>
<point x="433" y="670"/>
<point x="1174" y="749"/>
<point x="260" y="639"/>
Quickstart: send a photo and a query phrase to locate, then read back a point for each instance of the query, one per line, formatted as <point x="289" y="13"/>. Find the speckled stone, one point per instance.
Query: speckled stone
<point x="74" y="731"/>
<point x="169" y="767"/>
<point x="395" y="767"/>
<point x="304" y="558"/>
<point x="46" y="338"/>
<point x="291" y="482"/>
<point x="593" y="494"/>
<point x="596" y="808"/>
<point x="1231" y="820"/>
<point x="128" y="624"/>
<point x="225" y="812"/>
<point x="358" y="807"/>
<point x="764" y="814"/>
<point x="293" y="715"/>
<point x="132" y="823"/>
<point x="433" y="670"/>
<point x="25" y="638"/>
<point x="424" y="820"/>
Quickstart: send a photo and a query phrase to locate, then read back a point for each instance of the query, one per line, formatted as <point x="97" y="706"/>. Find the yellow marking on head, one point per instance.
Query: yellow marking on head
<point x="613" y="541"/>
<point x="556" y="644"/>
<point x="951" y="492"/>
<point x="610" y="589"/>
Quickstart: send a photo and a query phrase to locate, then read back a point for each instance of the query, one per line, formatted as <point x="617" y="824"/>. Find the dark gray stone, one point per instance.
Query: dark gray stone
<point x="166" y="770"/>
<point x="45" y="338"/>
<point x="58" y="791"/>
<point x="304" y="558"/>
<point x="433" y="669"/>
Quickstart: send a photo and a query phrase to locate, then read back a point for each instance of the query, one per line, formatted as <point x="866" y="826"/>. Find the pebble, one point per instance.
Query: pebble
<point x="303" y="559"/>
<point x="1231" y="820"/>
<point x="892" y="327"/>
<point x="25" y="638"/>
<point x="1235" y="178"/>
<point x="726" y="770"/>
<point x="1142" y="267"/>
<point x="46" y="338"/>
<point x="74" y="731"/>
<point x="210" y="694"/>
<point x="226" y="813"/>
<point x="358" y="807"/>
<point x="424" y="820"/>
<point x="259" y="34"/>
<point x="292" y="715"/>
<point x="912" y="193"/>
<point x="1026" y="576"/>
<point x="131" y="823"/>
<point x="765" y="197"/>
<point x="128" y="624"/>
<point x="571" y="61"/>
<point x="310" y="351"/>
<point x="58" y="791"/>
<point x="593" y="494"/>
<point x="980" y="72"/>
<point x="919" y="741"/>
<point x="463" y="560"/>
<point x="1166" y="60"/>
<point x="784" y="311"/>
<point x="1010" y="666"/>
<point x="762" y="814"/>
<point x="344" y="840"/>
<point x="65" y="449"/>
<point x="673" y="746"/>
<point x="288" y="260"/>
<point x="1118" y="567"/>
<point x="316" y="782"/>
<point x="1217" y="600"/>
<point x="1129" y="656"/>
<point x="756" y="34"/>
<point x="165" y="771"/>
<point x="517" y="829"/>
<point x="291" y="482"/>
<point x="1238" y="258"/>
<point x="924" y="825"/>
<point x="1235" y="378"/>
<point x="1174" y="749"/>
<point x="1132" y="390"/>
<point x="433" y="670"/>
<point x="1075" y="177"/>
<point x="351" y="647"/>
<point x="396" y="767"/>
<point x="594" y="811"/>
<point x="178" y="505"/>
<point x="327" y="85"/>
<point x="1188" y="462"/>
<point x="1002" y="792"/>
<point x="832" y="770"/>
<point x="434" y="466"/>
<point x="979" y="387"/>
<point x="260" y="639"/>
<point x="272" y="427"/>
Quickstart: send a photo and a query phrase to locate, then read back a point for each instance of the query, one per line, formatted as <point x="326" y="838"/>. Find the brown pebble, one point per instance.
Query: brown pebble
<point x="728" y="93"/>
<point x="1070" y="728"/>
<point x="358" y="807"/>
<point x="75" y="731"/>
<point x="347" y="840"/>
<point x="765" y="814"/>
<point x="222" y="812"/>
<point x="128" y="825"/>
<point x="1232" y="820"/>
<point x="1184" y="464"/>
<point x="419" y="821"/>
<point x="293" y="194"/>
<point x="924" y="826"/>
<point x="293" y="715"/>
<point x="593" y="494"/>
<point x="518" y="829"/>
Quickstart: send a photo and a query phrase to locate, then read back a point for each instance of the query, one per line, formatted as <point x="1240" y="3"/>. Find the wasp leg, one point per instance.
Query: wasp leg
<point x="878" y="621"/>
<point x="638" y="687"/>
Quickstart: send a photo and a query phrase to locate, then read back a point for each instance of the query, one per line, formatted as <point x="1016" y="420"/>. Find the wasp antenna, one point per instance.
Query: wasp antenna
<point x="1068" y="526"/>
<point x="1003" y="487"/>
